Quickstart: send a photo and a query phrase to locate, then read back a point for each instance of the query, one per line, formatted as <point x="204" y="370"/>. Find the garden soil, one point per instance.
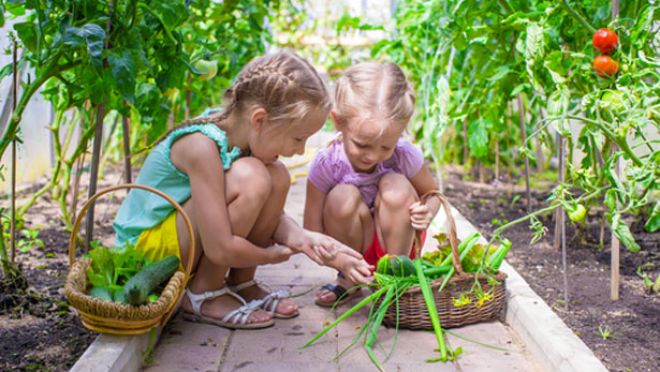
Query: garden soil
<point x="41" y="332"/>
<point x="633" y="321"/>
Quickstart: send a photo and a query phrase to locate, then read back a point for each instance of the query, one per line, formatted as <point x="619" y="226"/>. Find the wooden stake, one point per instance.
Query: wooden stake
<point x="127" y="149"/>
<point x="12" y="228"/>
<point x="523" y="134"/>
<point x="559" y="214"/>
<point x="563" y="260"/>
<point x="614" y="276"/>
<point x="93" y="177"/>
<point x="539" y="150"/>
<point x="465" y="142"/>
<point x="497" y="160"/>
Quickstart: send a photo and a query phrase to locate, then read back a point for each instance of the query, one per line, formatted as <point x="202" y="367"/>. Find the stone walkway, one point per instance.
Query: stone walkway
<point x="186" y="346"/>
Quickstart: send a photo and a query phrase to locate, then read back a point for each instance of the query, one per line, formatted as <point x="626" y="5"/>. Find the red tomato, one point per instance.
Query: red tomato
<point x="605" y="40"/>
<point x="605" y="66"/>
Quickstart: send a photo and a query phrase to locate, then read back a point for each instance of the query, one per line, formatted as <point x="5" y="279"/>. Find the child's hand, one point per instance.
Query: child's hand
<point x="420" y="216"/>
<point x="357" y="271"/>
<point x="280" y="253"/>
<point x="328" y="248"/>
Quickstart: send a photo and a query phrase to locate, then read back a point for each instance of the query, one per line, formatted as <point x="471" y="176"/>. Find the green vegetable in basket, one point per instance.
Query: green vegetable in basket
<point x="113" y="266"/>
<point x="101" y="292"/>
<point x="140" y="286"/>
<point x="395" y="265"/>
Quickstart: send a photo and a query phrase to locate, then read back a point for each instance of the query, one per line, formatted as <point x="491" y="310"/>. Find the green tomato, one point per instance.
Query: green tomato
<point x="612" y="100"/>
<point x="206" y="69"/>
<point x="578" y="214"/>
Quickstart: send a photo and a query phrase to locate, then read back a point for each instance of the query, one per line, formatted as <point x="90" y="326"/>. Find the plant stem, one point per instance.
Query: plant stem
<point x="577" y="16"/>
<point x="505" y="5"/>
<point x="497" y="232"/>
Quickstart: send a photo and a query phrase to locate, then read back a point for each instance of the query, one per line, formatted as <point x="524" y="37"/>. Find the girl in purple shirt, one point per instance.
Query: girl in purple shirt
<point x="364" y="188"/>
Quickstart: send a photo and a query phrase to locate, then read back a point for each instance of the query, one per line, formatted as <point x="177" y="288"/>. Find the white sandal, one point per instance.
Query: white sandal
<point x="270" y="301"/>
<point x="236" y="319"/>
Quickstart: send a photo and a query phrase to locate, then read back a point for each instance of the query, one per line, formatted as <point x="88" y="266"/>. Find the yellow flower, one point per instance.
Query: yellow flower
<point x="482" y="298"/>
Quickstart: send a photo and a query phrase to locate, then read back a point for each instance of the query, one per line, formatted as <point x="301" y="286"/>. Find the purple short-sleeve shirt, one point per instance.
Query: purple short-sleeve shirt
<point x="331" y="167"/>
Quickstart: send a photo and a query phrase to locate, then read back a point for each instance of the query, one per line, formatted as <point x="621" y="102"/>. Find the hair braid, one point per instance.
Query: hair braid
<point x="283" y="84"/>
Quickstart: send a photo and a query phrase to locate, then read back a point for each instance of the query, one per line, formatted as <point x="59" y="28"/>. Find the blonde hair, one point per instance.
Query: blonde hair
<point x="369" y="91"/>
<point x="283" y="84"/>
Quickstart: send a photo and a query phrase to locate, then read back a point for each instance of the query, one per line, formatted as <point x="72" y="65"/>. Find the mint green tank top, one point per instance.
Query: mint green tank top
<point x="141" y="209"/>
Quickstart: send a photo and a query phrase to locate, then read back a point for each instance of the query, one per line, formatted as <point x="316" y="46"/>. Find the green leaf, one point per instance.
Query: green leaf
<point x="610" y="199"/>
<point x="123" y="69"/>
<point x="478" y="138"/>
<point x="15" y="8"/>
<point x="6" y="70"/>
<point x="500" y="72"/>
<point x="90" y="36"/>
<point x="622" y="232"/>
<point x="170" y="14"/>
<point x="653" y="223"/>
<point x="101" y="273"/>
<point x="27" y="32"/>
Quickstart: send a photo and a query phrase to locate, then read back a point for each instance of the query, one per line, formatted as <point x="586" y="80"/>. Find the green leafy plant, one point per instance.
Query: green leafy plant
<point x="112" y="268"/>
<point x="604" y="331"/>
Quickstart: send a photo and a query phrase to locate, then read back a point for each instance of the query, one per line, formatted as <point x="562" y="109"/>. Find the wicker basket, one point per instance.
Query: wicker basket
<point x="116" y="318"/>
<point x="412" y="311"/>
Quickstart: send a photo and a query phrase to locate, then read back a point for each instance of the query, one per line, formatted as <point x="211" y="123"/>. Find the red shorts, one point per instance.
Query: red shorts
<point x="375" y="250"/>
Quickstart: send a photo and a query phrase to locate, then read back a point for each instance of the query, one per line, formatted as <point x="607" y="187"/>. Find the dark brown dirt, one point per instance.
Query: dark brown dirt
<point x="41" y="333"/>
<point x="634" y="319"/>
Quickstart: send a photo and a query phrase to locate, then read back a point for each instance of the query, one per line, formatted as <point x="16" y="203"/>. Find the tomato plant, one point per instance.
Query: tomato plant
<point x="480" y="66"/>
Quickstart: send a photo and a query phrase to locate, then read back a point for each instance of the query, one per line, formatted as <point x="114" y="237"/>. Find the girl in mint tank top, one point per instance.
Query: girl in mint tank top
<point x="367" y="187"/>
<point x="223" y="168"/>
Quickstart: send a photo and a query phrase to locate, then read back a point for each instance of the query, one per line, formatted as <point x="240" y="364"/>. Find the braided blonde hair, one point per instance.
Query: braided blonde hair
<point x="283" y="84"/>
<point x="374" y="91"/>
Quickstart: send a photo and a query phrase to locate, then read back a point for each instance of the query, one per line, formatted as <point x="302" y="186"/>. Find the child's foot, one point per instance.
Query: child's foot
<point x="336" y="294"/>
<point x="224" y="308"/>
<point x="276" y="302"/>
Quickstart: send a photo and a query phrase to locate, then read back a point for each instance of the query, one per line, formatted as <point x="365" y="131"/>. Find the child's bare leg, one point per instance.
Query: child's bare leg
<point x="247" y="186"/>
<point x="262" y="232"/>
<point x="395" y="195"/>
<point x="346" y="218"/>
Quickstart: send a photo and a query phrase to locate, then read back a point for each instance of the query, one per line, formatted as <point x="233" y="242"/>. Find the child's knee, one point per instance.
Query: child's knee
<point x="342" y="201"/>
<point x="253" y="176"/>
<point x="395" y="190"/>
<point x="280" y="178"/>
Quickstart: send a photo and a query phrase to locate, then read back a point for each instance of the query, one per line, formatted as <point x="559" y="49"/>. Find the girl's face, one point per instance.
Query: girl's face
<point x="367" y="143"/>
<point x="267" y="143"/>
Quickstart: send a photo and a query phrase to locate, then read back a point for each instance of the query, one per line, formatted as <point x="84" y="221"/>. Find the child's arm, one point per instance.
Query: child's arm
<point x="314" y="203"/>
<point x="197" y="156"/>
<point x="421" y="214"/>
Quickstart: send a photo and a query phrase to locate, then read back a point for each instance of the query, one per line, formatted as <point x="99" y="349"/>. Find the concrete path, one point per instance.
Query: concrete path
<point x="186" y="346"/>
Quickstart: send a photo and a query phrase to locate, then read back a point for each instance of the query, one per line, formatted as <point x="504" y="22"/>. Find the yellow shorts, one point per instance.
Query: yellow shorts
<point x="161" y="240"/>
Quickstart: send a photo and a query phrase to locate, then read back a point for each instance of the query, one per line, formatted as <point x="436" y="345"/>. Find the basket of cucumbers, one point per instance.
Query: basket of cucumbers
<point x="117" y="290"/>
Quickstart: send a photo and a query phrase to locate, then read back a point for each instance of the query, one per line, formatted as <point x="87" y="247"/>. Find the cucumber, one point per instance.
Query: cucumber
<point x="402" y="266"/>
<point x="119" y="297"/>
<point x="138" y="288"/>
<point x="101" y="292"/>
<point x="395" y="265"/>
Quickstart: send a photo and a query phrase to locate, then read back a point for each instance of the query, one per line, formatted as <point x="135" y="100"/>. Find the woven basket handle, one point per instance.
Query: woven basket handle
<point x="451" y="230"/>
<point x="177" y="206"/>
